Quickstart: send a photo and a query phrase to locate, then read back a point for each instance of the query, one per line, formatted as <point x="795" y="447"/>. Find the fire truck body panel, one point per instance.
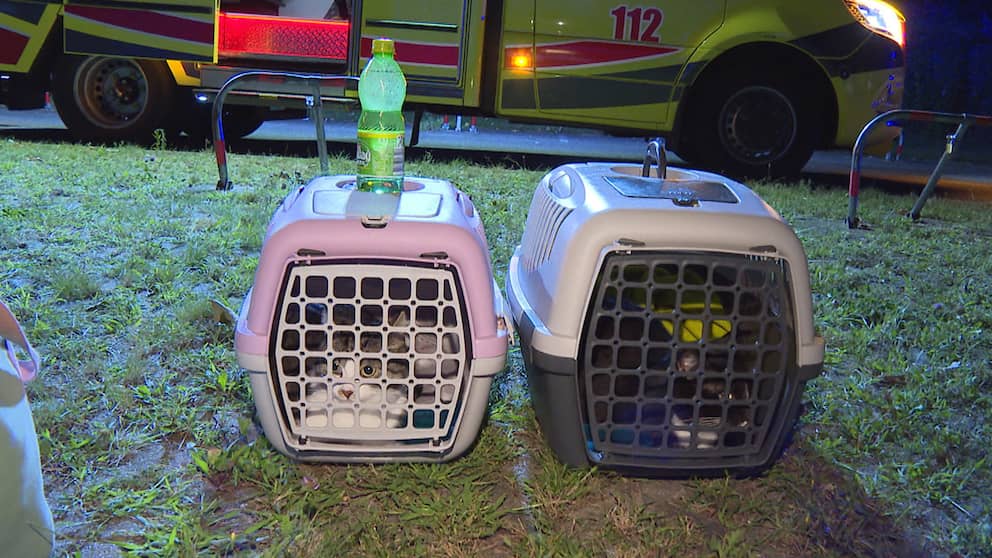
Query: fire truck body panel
<point x="699" y="74"/>
<point x="621" y="65"/>
<point x="24" y="28"/>
<point x="142" y="29"/>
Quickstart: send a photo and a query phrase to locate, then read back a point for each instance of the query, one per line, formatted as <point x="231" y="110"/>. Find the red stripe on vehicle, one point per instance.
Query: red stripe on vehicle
<point x="585" y="53"/>
<point x="150" y="22"/>
<point x="419" y="53"/>
<point x="11" y="46"/>
<point x="983" y="120"/>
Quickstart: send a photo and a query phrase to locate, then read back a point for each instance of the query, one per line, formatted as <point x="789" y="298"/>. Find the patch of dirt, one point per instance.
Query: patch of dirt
<point x="140" y="461"/>
<point x="100" y="550"/>
<point x="122" y="529"/>
<point x="802" y="506"/>
<point x="841" y="517"/>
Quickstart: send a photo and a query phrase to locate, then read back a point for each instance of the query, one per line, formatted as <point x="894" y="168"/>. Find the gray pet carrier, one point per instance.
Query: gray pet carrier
<point x="666" y="324"/>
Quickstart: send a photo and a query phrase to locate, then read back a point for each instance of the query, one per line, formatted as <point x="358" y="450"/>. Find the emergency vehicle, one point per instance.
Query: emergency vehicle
<point x="740" y="86"/>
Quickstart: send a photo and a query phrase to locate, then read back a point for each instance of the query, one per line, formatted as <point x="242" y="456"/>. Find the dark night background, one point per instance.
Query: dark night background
<point x="949" y="69"/>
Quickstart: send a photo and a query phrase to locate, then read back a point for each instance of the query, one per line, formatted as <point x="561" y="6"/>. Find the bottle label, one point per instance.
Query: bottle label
<point x="380" y="153"/>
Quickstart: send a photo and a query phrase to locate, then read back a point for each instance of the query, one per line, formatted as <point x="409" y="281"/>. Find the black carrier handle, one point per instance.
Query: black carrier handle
<point x="655" y="153"/>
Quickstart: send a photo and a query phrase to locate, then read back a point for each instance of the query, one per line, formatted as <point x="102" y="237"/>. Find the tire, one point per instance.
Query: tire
<point x="239" y="121"/>
<point x="752" y="124"/>
<point x="112" y="99"/>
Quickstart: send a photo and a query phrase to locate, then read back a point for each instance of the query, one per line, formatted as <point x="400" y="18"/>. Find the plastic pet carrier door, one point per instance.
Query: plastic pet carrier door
<point x="666" y="323"/>
<point x="373" y="330"/>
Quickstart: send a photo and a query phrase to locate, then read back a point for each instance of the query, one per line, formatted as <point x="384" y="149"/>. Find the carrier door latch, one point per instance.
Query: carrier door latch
<point x="437" y="258"/>
<point x="630" y="243"/>
<point x="375" y="221"/>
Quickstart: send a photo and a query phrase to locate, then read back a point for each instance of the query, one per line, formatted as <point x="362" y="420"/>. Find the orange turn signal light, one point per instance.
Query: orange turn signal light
<point x="519" y="58"/>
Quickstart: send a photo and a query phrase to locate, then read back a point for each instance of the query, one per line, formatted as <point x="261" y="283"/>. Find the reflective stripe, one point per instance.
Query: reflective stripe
<point x="852" y="49"/>
<point x="565" y="92"/>
<point x="90" y="44"/>
<point x="179" y="26"/>
<point x="23" y="30"/>
<point x="11" y="46"/>
<point x="518" y="94"/>
<point x="27" y="12"/>
<point x="114" y="31"/>
<point x="666" y="74"/>
<point x="421" y="53"/>
<point x="201" y="6"/>
<point x="583" y="54"/>
<point x="834" y="43"/>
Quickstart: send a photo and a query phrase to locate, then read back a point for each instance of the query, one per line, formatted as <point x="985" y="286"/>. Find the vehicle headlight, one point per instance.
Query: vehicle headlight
<point x="881" y="18"/>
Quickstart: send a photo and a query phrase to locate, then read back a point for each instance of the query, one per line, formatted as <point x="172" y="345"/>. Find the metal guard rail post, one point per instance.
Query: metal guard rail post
<point x="315" y="107"/>
<point x="963" y="120"/>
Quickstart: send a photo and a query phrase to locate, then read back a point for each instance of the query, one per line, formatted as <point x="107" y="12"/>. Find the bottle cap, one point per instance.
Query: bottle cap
<point x="383" y="46"/>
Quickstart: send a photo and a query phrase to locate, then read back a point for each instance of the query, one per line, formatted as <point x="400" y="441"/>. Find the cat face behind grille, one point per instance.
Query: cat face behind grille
<point x="349" y="388"/>
<point x="377" y="357"/>
<point x="370" y="368"/>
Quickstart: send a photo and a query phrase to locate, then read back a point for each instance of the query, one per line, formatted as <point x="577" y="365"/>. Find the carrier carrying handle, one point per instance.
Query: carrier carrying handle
<point x="655" y="153"/>
<point x="12" y="333"/>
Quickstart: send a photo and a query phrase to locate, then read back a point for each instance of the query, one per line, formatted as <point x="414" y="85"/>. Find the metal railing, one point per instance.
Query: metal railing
<point x="312" y="98"/>
<point x="963" y="120"/>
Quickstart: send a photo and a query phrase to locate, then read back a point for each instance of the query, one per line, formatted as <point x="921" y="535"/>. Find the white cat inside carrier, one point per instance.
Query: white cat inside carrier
<point x="666" y="323"/>
<point x="374" y="327"/>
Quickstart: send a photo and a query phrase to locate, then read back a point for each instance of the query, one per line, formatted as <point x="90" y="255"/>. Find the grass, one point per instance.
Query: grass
<point x="111" y="256"/>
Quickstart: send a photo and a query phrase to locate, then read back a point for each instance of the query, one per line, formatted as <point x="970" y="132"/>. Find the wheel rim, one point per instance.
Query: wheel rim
<point x="758" y="125"/>
<point x="111" y="92"/>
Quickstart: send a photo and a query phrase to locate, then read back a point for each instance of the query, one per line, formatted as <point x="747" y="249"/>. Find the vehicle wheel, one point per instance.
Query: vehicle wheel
<point x="239" y="121"/>
<point x="752" y="124"/>
<point x="107" y="99"/>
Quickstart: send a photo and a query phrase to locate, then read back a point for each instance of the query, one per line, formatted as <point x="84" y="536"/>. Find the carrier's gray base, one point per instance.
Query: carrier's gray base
<point x="554" y="393"/>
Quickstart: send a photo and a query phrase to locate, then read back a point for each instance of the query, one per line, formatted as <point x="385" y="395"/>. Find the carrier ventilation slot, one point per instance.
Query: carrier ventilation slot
<point x="545" y="218"/>
<point x="372" y="354"/>
<point x="685" y="354"/>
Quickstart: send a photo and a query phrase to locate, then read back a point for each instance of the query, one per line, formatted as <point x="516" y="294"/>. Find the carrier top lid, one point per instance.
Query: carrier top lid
<point x="657" y="188"/>
<point x="335" y="198"/>
<point x="352" y="203"/>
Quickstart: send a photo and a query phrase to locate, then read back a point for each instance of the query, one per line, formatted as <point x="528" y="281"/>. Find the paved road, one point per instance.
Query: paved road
<point x="960" y="180"/>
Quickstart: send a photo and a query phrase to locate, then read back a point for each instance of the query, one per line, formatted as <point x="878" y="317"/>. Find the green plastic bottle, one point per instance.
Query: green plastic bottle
<point x="381" y="90"/>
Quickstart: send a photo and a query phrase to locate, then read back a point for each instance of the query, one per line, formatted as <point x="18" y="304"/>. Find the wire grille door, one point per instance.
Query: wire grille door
<point x="369" y="353"/>
<point x="685" y="353"/>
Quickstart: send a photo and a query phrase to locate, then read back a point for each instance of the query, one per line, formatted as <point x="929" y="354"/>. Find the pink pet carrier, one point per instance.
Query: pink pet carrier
<point x="374" y="327"/>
